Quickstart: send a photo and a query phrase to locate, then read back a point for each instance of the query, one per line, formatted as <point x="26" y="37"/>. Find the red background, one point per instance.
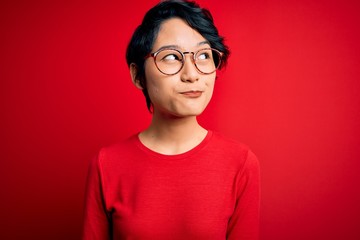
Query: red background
<point x="291" y="91"/>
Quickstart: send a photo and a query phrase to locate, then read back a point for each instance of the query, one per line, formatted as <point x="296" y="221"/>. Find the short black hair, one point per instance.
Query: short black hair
<point x="142" y="41"/>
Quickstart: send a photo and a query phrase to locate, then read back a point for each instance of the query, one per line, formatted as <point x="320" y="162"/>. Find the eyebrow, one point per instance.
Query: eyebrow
<point x="178" y="47"/>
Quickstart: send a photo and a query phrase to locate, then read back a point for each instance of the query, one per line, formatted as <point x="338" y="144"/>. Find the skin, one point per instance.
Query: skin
<point x="179" y="98"/>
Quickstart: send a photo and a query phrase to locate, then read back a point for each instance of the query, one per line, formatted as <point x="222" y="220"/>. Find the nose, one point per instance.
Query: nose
<point x="189" y="73"/>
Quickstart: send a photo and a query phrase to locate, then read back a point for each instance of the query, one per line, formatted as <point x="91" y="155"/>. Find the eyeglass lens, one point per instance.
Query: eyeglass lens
<point x="170" y="61"/>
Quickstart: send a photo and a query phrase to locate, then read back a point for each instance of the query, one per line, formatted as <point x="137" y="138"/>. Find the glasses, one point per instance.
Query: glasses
<point x="170" y="61"/>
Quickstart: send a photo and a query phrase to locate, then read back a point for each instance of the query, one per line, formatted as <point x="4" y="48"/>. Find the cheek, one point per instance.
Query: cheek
<point x="152" y="86"/>
<point x="158" y="91"/>
<point x="153" y="91"/>
<point x="210" y="85"/>
<point x="210" y="94"/>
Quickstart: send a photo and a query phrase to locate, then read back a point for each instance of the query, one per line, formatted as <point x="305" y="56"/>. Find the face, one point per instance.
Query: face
<point x="188" y="92"/>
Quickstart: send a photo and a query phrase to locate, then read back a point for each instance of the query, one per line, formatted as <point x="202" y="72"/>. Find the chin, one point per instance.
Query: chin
<point x="190" y="112"/>
<point x="184" y="110"/>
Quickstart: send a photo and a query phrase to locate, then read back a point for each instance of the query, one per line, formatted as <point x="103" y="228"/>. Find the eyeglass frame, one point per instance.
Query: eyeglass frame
<point x="154" y="54"/>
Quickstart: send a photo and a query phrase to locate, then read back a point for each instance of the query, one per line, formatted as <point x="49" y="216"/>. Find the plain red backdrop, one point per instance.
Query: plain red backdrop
<point x="291" y="91"/>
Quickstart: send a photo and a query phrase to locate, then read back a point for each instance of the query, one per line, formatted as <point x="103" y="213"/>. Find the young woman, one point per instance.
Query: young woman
<point x="174" y="180"/>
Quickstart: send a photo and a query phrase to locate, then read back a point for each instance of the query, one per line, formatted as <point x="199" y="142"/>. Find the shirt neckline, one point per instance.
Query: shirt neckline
<point x="186" y="154"/>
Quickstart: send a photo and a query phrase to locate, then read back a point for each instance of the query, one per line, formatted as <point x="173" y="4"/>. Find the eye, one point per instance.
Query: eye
<point x="170" y="57"/>
<point x="204" y="56"/>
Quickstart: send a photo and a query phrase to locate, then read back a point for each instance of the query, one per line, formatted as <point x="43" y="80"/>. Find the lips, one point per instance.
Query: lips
<point x="192" y="93"/>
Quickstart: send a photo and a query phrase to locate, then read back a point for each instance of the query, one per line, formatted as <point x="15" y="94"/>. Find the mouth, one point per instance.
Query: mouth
<point x="192" y="93"/>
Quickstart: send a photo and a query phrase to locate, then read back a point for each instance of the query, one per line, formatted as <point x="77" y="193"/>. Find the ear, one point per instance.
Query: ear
<point x="134" y="76"/>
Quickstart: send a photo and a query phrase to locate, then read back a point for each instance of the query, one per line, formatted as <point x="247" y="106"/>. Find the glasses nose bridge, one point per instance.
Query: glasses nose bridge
<point x="193" y="56"/>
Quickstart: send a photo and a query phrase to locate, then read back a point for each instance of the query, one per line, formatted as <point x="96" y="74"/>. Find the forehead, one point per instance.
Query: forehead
<point x="176" y="31"/>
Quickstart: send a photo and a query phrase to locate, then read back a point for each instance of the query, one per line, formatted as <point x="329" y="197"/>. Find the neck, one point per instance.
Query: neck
<point x="172" y="135"/>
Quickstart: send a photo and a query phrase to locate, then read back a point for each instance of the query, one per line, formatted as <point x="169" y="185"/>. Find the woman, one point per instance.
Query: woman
<point x="174" y="180"/>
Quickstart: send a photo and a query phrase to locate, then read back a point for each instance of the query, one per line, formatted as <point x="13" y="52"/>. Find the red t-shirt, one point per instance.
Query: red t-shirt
<point x="209" y="192"/>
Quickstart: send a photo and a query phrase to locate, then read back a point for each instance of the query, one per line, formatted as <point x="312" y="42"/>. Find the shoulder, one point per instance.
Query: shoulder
<point x="226" y="141"/>
<point x="232" y="150"/>
<point x="113" y="154"/>
<point x="228" y="145"/>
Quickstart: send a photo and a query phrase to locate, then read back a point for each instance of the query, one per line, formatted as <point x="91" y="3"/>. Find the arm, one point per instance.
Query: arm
<point x="97" y="224"/>
<point x="244" y="223"/>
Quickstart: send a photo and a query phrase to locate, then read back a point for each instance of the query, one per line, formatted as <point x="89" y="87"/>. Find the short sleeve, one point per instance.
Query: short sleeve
<point x="96" y="219"/>
<point x="244" y="222"/>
